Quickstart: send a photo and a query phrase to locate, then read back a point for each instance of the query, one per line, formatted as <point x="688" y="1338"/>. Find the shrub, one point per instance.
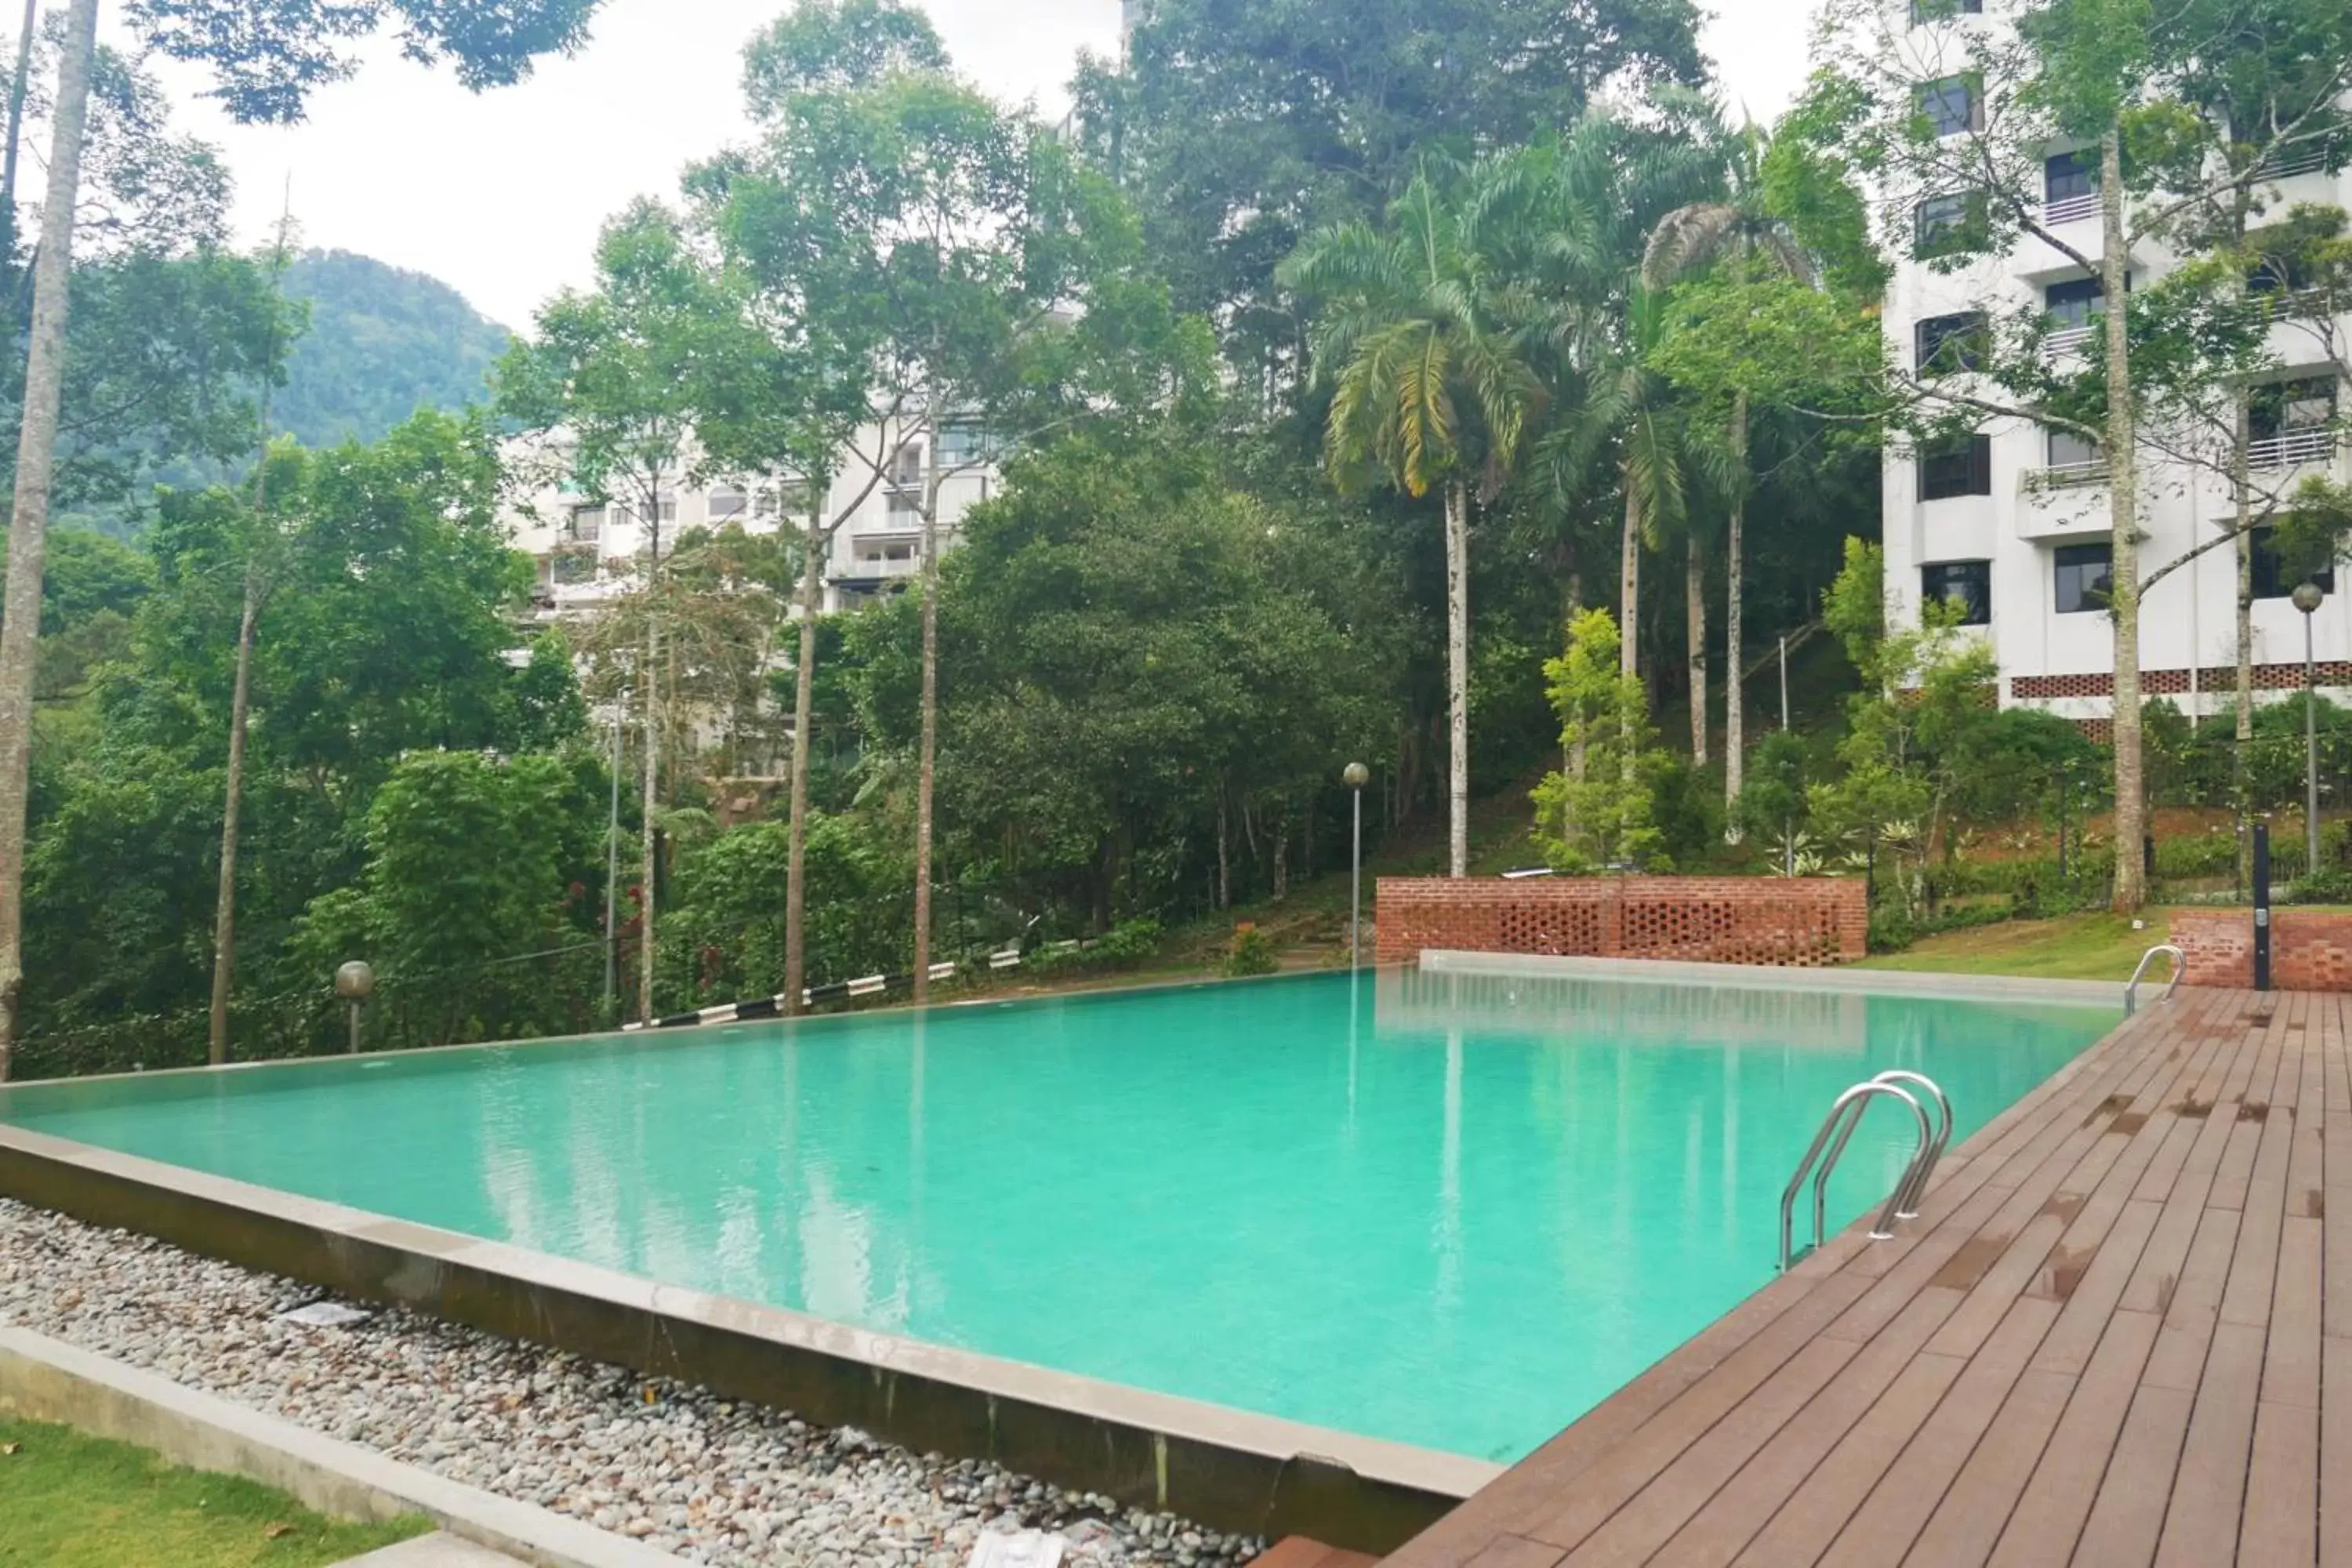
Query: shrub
<point x="2328" y="885"/>
<point x="1252" y="952"/>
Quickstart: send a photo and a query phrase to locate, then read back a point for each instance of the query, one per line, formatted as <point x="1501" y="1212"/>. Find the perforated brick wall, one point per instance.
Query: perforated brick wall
<point x="2175" y="682"/>
<point x="2310" y="949"/>
<point x="1712" y="920"/>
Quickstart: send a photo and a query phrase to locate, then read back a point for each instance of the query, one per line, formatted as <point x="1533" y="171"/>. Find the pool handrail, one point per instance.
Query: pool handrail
<point x="1843" y="1117"/>
<point x="2180" y="968"/>
<point x="1915" y="1180"/>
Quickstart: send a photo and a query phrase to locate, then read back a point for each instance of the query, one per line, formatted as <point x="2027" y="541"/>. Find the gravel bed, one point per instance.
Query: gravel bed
<point x="712" y="1481"/>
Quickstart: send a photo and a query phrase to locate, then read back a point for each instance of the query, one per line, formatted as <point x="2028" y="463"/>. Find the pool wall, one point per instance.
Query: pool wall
<point x="1230" y="1469"/>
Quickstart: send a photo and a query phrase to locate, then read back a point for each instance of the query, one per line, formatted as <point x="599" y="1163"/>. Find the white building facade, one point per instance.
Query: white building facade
<point x="2014" y="521"/>
<point x="590" y="549"/>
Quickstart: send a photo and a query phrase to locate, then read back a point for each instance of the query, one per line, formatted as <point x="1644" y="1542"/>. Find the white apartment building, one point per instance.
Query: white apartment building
<point x="590" y="548"/>
<point x="2014" y="521"/>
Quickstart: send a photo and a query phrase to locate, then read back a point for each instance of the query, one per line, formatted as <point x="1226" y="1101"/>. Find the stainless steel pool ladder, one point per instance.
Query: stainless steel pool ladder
<point x="2180" y="968"/>
<point x="1829" y="1146"/>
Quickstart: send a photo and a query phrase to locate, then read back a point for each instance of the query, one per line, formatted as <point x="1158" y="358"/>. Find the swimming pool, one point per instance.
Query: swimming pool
<point x="1453" y="1211"/>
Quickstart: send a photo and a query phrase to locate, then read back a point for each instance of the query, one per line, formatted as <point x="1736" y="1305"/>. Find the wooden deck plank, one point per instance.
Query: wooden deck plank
<point x="2108" y="1339"/>
<point x="1884" y="1528"/>
<point x="2209" y="1491"/>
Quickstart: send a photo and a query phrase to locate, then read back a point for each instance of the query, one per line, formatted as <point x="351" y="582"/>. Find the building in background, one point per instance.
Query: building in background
<point x="2012" y="521"/>
<point x="590" y="549"/>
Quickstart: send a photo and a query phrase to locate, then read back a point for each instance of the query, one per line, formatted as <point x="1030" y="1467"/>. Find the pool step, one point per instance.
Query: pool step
<point x="1297" y="1552"/>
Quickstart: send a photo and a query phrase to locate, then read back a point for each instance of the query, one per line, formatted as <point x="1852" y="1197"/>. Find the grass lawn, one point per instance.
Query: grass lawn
<point x="72" y="1501"/>
<point x="2079" y="947"/>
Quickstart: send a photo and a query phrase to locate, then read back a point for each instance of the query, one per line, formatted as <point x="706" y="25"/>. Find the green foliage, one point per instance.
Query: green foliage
<point x="381" y="344"/>
<point x="1251" y="951"/>
<point x="723" y="940"/>
<point x="1604" y="816"/>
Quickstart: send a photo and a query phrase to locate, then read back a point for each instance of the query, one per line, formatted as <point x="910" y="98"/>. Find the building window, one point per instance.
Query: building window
<point x="728" y="504"/>
<point x="2276" y="577"/>
<point x="2086" y="576"/>
<point x="963" y="446"/>
<point x="2073" y="449"/>
<point x="2069" y="176"/>
<point x="587" y="523"/>
<point x="2281" y="408"/>
<point x="1968" y="583"/>
<point x="1961" y="468"/>
<point x="1949" y="343"/>
<point x="1925" y="11"/>
<point x="903" y="504"/>
<point x="2074" y="304"/>
<point x="1952" y="105"/>
<point x="1950" y="225"/>
<point x="907" y="466"/>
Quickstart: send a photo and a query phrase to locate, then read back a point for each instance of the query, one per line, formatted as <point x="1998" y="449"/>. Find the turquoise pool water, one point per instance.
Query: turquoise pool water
<point x="1450" y="1211"/>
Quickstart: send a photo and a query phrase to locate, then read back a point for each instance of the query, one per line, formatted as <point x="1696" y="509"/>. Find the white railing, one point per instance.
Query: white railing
<point x="2066" y="476"/>
<point x="2071" y="209"/>
<point x="887" y="568"/>
<point x="2289" y="305"/>
<point x="2294" y="447"/>
<point x="2300" y="158"/>
<point x="2069" y="340"/>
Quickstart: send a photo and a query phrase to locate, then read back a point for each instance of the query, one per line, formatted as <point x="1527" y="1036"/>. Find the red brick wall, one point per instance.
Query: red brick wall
<point x="1713" y="919"/>
<point x="2310" y="951"/>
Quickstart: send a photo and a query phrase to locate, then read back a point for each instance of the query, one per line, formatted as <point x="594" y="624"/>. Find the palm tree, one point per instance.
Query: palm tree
<point x="1739" y="229"/>
<point x="1432" y="382"/>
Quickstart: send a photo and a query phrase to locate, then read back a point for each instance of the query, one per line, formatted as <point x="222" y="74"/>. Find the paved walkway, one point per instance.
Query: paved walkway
<point x="438" y="1549"/>
<point x="2104" y="1342"/>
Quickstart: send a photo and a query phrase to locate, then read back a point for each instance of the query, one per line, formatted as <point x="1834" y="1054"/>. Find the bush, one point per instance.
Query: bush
<point x="1128" y="943"/>
<point x="2329" y="885"/>
<point x="1252" y="952"/>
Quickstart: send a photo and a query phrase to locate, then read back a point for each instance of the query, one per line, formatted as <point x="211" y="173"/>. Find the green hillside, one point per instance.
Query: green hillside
<point x="382" y="343"/>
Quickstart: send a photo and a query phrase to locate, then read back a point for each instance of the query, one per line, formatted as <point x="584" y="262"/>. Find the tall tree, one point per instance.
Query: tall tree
<point x="970" y="234"/>
<point x="1433" y="388"/>
<point x="267" y="57"/>
<point x="29" y="527"/>
<point x="611" y="379"/>
<point x="1742" y="229"/>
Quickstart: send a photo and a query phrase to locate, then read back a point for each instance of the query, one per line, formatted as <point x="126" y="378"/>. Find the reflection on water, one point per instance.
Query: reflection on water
<point x="1452" y="1210"/>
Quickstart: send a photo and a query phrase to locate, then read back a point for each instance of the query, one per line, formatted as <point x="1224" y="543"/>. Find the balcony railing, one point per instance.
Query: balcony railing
<point x="2070" y="341"/>
<point x="2066" y="476"/>
<point x="2301" y="158"/>
<point x="2292" y="447"/>
<point x="2071" y="209"/>
<point x="2289" y="305"/>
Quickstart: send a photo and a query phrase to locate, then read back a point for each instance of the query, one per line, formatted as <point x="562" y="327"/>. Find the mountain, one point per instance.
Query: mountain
<point x="384" y="342"/>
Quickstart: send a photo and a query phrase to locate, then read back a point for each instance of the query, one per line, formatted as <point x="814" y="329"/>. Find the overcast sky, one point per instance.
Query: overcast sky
<point x="501" y="195"/>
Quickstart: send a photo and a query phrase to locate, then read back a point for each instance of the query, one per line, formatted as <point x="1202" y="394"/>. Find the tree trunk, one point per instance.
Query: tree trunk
<point x="1694" y="601"/>
<point x="225" y="910"/>
<point x="16" y="89"/>
<point x="1224" y="858"/>
<point x="650" y="689"/>
<point x="2123" y="467"/>
<point x="1282" y="859"/>
<point x="927" y="767"/>
<point x="28" y="531"/>
<point x="1735" y="677"/>
<point x="1629" y="590"/>
<point x="1457" y="674"/>
<point x="1573" y="608"/>
<point x="804" y="705"/>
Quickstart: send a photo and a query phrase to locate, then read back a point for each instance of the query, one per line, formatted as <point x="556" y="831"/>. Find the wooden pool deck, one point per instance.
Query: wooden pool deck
<point x="2104" y="1342"/>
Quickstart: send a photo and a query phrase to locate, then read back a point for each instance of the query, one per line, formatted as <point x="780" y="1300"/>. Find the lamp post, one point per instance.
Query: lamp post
<point x="2308" y="598"/>
<point x="353" y="982"/>
<point x="1356" y="777"/>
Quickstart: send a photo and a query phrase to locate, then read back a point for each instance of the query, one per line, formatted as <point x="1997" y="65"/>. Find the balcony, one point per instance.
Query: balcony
<point x="2071" y="209"/>
<point x="2066" y="476"/>
<point x="2304" y="158"/>
<point x="2292" y="449"/>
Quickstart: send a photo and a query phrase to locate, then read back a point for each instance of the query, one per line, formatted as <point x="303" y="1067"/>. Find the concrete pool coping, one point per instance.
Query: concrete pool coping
<point x="1231" y="1469"/>
<point x="1918" y="983"/>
